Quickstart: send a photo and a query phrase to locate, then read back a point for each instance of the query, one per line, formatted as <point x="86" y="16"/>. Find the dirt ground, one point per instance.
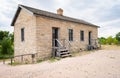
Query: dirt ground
<point x="99" y="64"/>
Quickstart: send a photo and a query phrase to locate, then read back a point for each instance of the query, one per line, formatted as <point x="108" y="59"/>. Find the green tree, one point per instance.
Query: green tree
<point x="109" y="40"/>
<point x="6" y="46"/>
<point x="3" y="34"/>
<point x="11" y="36"/>
<point x="118" y="36"/>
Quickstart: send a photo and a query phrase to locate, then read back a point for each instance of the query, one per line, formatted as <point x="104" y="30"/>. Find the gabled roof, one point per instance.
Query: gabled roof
<point x="38" y="12"/>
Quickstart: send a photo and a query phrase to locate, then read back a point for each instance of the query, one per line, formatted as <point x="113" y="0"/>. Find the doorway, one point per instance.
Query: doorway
<point x="89" y="37"/>
<point x="55" y="35"/>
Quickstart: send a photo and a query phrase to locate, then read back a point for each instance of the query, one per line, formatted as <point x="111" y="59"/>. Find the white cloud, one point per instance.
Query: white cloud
<point x="6" y="13"/>
<point x="108" y="32"/>
<point x="107" y="23"/>
<point x="109" y="28"/>
<point x="62" y="3"/>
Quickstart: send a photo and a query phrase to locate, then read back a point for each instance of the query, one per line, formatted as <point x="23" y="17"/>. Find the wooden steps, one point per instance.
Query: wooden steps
<point x="68" y="55"/>
<point x="62" y="49"/>
<point x="63" y="53"/>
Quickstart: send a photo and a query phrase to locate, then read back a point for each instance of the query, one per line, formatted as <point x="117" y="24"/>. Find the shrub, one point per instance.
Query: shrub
<point x="115" y="41"/>
<point x="109" y="40"/>
<point x="102" y="40"/>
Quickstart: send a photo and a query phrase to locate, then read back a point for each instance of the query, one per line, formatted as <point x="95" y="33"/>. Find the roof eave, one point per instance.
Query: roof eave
<point x="22" y="7"/>
<point x="15" y="16"/>
<point x="17" y="13"/>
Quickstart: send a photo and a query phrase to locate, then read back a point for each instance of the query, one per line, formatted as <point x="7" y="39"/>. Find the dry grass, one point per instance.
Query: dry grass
<point x="110" y="47"/>
<point x="1" y="60"/>
<point x="104" y="47"/>
<point x="112" y="57"/>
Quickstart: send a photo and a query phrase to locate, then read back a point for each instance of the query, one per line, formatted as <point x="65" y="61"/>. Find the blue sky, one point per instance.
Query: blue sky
<point x="105" y="13"/>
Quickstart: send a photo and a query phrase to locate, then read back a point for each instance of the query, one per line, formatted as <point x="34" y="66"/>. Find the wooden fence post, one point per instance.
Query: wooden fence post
<point x="33" y="56"/>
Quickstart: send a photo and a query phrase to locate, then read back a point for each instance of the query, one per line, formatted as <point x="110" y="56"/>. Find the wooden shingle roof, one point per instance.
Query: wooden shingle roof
<point x="38" y="12"/>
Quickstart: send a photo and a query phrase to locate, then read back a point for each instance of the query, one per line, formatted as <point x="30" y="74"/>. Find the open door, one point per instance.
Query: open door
<point x="55" y="35"/>
<point x="89" y="37"/>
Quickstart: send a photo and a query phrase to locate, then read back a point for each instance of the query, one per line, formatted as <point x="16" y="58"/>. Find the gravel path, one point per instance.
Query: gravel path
<point x="100" y="64"/>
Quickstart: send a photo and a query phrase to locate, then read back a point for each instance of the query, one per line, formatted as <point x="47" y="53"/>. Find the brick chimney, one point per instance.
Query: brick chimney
<point x="60" y="11"/>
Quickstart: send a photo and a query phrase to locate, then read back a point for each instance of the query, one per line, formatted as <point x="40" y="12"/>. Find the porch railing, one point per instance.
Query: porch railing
<point x="62" y="44"/>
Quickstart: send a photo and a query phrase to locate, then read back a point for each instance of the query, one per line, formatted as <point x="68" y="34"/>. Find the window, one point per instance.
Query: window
<point x="22" y="34"/>
<point x="70" y="34"/>
<point x="82" y="35"/>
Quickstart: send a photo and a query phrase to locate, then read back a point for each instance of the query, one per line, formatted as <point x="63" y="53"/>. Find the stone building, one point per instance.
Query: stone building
<point x="42" y="33"/>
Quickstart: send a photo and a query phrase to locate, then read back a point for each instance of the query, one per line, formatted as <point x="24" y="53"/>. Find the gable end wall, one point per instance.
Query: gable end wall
<point x="28" y="22"/>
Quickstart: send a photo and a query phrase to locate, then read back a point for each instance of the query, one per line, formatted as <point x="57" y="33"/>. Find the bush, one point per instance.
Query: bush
<point x="102" y="40"/>
<point x="115" y="41"/>
<point x="109" y="40"/>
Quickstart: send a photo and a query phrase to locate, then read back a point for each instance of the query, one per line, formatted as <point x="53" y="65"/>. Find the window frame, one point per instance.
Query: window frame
<point x="82" y="36"/>
<point x="70" y="34"/>
<point x="22" y="34"/>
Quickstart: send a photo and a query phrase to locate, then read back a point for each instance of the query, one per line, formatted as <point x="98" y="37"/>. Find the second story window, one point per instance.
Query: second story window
<point x="22" y="34"/>
<point x="70" y="34"/>
<point x="82" y="35"/>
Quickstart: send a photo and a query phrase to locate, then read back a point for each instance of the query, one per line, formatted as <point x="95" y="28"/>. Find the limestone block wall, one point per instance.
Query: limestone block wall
<point x="44" y="34"/>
